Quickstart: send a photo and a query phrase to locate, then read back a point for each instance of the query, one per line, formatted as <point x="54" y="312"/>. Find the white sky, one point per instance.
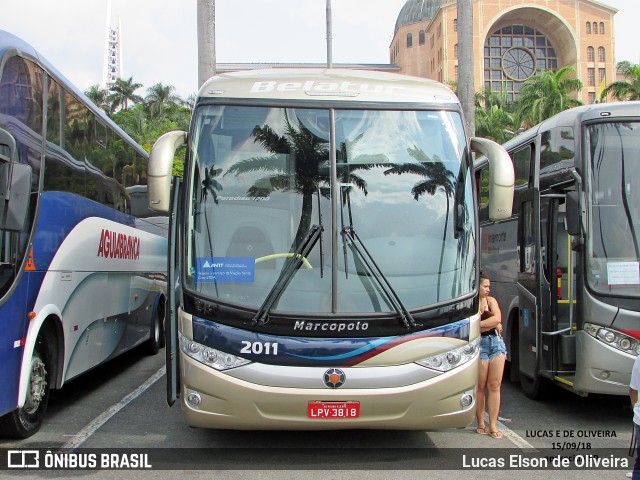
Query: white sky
<point x="160" y="38"/>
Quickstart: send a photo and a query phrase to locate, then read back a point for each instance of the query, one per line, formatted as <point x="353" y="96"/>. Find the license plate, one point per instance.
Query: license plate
<point x="323" y="410"/>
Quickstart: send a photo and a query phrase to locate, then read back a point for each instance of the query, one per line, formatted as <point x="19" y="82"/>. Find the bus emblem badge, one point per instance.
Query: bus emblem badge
<point x="334" y="378"/>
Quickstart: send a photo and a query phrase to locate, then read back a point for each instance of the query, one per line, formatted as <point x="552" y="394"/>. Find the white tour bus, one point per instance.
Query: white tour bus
<point x="324" y="252"/>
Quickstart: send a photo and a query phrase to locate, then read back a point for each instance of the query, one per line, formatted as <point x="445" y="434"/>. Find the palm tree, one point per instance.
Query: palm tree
<point x="190" y="102"/>
<point x="98" y="96"/>
<point x="160" y="98"/>
<point x="495" y="123"/>
<point x="625" y="90"/>
<point x="122" y="92"/>
<point x="488" y="98"/>
<point x="135" y="122"/>
<point x="494" y="116"/>
<point x="206" y="15"/>
<point x="548" y="93"/>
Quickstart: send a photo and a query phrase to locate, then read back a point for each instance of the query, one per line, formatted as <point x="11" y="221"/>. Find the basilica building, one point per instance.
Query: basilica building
<point x="512" y="41"/>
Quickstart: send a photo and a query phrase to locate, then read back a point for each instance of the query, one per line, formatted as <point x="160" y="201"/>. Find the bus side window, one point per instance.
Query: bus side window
<point x="527" y="239"/>
<point x="557" y="149"/>
<point x="522" y="166"/>
<point x="482" y="179"/>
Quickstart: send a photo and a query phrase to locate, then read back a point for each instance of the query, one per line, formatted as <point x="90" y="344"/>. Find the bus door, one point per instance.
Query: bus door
<point x="173" y="297"/>
<point x="557" y="326"/>
<point x="529" y="279"/>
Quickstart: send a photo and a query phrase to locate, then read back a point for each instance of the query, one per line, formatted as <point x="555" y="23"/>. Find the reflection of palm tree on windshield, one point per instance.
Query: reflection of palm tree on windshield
<point x="210" y="184"/>
<point x="309" y="152"/>
<point x="310" y="157"/>
<point x="437" y="177"/>
<point x="346" y="177"/>
<point x="436" y="174"/>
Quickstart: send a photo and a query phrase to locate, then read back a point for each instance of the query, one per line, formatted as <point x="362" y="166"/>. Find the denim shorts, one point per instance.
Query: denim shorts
<point x="490" y="346"/>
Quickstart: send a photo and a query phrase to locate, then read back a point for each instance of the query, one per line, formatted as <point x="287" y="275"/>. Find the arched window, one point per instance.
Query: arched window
<point x="588" y="28"/>
<point x="455" y="24"/>
<point x="409" y="40"/>
<point x="421" y="37"/>
<point x="595" y="28"/>
<point x="601" y="55"/>
<point x="455" y="51"/>
<point x="591" y="57"/>
<point x="601" y="28"/>
<point x="514" y="53"/>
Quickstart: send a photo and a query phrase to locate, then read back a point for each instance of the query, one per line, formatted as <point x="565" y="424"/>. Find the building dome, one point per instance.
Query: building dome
<point x="417" y="11"/>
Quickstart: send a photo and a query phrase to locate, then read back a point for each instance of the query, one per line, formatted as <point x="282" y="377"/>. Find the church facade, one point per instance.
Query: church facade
<point x="512" y="41"/>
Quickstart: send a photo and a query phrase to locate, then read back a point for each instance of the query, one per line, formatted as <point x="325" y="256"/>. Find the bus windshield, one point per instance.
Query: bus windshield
<point x="261" y="198"/>
<point x="613" y="252"/>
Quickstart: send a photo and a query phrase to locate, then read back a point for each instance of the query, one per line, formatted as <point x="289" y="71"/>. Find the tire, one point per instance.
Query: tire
<point x="535" y="389"/>
<point x="156" y="341"/>
<point x="514" y="367"/>
<point x="24" y="422"/>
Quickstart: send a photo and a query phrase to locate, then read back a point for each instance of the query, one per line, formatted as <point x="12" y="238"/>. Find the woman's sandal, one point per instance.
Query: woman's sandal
<point x="496" y="434"/>
<point x="482" y="431"/>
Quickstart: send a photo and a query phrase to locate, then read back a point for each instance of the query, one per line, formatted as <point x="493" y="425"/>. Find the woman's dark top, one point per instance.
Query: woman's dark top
<point x="486" y="314"/>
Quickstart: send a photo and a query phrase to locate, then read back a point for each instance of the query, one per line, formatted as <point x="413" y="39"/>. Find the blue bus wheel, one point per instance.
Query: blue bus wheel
<point x="25" y="421"/>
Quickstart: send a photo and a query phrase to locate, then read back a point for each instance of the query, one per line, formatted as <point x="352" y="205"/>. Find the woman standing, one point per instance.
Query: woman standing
<point x="492" y="358"/>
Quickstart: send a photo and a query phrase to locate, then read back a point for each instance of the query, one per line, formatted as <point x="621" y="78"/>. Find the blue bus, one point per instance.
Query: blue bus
<point x="82" y="273"/>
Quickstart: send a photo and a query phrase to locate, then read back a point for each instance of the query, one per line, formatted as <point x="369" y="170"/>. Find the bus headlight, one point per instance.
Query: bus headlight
<point x="446" y="361"/>
<point x="614" y="338"/>
<point x="209" y="356"/>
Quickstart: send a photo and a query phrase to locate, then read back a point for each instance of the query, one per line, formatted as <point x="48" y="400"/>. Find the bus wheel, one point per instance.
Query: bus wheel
<point x="24" y="422"/>
<point x="157" y="335"/>
<point x="535" y="389"/>
<point x="514" y="367"/>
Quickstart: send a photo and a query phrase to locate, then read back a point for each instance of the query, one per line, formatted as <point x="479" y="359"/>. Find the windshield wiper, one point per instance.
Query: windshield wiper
<point x="350" y="236"/>
<point x="367" y="260"/>
<point x="293" y="264"/>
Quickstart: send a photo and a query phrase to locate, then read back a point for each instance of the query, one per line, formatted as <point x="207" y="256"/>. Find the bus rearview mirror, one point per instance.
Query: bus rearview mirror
<point x="573" y="213"/>
<point x="501" y="177"/>
<point x="160" y="168"/>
